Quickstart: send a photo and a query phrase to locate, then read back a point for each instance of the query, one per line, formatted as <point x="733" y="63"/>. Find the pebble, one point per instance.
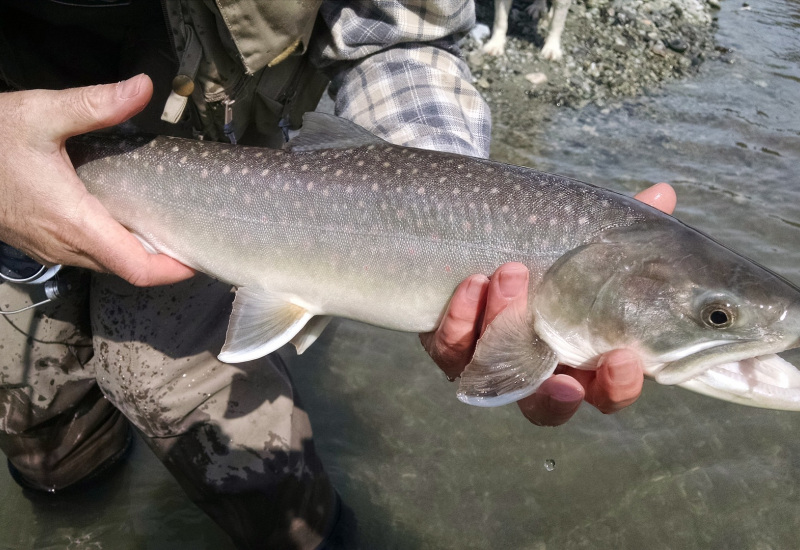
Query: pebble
<point x="536" y="78"/>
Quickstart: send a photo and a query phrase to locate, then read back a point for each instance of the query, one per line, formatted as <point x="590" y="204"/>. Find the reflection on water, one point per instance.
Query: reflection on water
<point x="421" y="470"/>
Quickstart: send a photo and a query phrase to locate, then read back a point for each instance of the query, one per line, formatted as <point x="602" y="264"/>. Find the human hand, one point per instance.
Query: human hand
<point x="45" y="210"/>
<point x="615" y="384"/>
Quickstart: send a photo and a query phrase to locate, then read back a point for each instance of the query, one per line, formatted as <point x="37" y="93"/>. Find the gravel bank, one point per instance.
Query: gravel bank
<point x="613" y="50"/>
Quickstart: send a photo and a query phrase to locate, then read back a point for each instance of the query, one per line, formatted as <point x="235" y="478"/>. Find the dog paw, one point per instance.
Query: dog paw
<point x="537" y="10"/>
<point x="552" y="51"/>
<point x="495" y="46"/>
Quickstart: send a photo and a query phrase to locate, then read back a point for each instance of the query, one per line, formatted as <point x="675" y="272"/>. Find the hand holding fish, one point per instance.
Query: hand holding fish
<point x="616" y="384"/>
<point x="47" y="211"/>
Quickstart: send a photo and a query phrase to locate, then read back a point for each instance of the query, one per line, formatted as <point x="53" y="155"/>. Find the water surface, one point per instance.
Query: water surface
<point x="421" y="470"/>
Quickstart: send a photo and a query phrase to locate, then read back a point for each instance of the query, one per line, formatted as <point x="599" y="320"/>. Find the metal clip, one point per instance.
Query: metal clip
<point x="227" y="129"/>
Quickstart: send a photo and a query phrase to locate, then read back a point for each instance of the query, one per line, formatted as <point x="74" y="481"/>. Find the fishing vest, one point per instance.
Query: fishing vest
<point x="241" y="67"/>
<point x="243" y="64"/>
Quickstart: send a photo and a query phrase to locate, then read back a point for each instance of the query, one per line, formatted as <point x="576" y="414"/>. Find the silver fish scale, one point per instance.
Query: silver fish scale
<point x="366" y="217"/>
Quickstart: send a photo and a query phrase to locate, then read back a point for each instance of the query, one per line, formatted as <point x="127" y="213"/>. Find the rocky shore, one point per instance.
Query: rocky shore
<point x="614" y="50"/>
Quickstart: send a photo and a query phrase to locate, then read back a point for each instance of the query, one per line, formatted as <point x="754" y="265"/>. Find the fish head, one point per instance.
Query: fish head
<point x="700" y="315"/>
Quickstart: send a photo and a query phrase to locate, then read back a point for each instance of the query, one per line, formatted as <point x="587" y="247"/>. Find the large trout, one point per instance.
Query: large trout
<point x="342" y="223"/>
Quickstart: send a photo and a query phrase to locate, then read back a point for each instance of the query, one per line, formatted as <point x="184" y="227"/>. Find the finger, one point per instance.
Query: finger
<point x="452" y="344"/>
<point x="114" y="249"/>
<point x="79" y="110"/>
<point x="509" y="284"/>
<point x="660" y="195"/>
<point x="556" y="400"/>
<point x="617" y="382"/>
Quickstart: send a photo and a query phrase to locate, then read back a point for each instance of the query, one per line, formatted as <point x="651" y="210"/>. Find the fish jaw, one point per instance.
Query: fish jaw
<point x="766" y="381"/>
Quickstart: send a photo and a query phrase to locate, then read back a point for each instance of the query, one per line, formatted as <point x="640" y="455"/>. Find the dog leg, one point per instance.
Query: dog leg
<point x="552" y="46"/>
<point x="497" y="44"/>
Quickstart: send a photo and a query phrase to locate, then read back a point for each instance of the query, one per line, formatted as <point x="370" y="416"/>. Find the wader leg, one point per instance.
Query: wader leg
<point x="56" y="428"/>
<point x="234" y="436"/>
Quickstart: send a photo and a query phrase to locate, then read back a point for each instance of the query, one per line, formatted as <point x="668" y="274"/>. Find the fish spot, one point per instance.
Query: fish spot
<point x="553" y="222"/>
<point x="204" y="154"/>
<point x="360" y="163"/>
<point x="494" y="191"/>
<point x="532" y="219"/>
<point x="505" y="209"/>
<point x="398" y="172"/>
<point x="226" y="169"/>
<point x="183" y="159"/>
<point x="476" y="189"/>
<point x="135" y="156"/>
<point x="583" y="220"/>
<point x="415" y="171"/>
<point x="421" y="191"/>
<point x="245" y="171"/>
<point x="309" y="186"/>
<point x="338" y="172"/>
<point x="456" y="191"/>
<point x="160" y="169"/>
<point x="265" y="172"/>
<point x="175" y="149"/>
<point x="374" y="186"/>
<point x="442" y="179"/>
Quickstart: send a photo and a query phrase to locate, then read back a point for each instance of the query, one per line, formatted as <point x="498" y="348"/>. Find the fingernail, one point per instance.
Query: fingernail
<point x="512" y="281"/>
<point x="565" y="395"/>
<point x="475" y="287"/>
<point x="621" y="372"/>
<point x="129" y="88"/>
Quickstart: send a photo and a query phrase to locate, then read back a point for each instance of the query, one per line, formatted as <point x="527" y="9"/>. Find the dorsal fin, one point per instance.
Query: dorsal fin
<point x="324" y="131"/>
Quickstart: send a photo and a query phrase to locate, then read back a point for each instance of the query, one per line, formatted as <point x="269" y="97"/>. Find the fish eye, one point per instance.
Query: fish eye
<point x="718" y="315"/>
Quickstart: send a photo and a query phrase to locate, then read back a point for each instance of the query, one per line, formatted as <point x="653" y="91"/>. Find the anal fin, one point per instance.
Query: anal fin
<point x="260" y="323"/>
<point x="510" y="362"/>
<point x="309" y="333"/>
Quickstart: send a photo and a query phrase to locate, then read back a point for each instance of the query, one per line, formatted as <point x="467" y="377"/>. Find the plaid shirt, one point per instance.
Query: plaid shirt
<point x="396" y="70"/>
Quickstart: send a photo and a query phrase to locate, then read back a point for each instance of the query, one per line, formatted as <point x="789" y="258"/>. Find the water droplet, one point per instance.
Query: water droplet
<point x="549" y="464"/>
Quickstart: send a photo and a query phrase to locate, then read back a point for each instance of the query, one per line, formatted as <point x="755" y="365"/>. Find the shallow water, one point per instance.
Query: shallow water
<point x="421" y="470"/>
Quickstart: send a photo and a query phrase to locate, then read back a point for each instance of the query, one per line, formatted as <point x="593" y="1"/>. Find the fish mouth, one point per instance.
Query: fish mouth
<point x="747" y="373"/>
<point x="766" y="381"/>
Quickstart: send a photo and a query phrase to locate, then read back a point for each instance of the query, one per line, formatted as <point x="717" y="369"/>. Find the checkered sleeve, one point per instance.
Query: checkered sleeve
<point x="396" y="70"/>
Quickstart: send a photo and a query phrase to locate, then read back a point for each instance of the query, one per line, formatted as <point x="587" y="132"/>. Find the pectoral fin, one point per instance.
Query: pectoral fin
<point x="510" y="362"/>
<point x="260" y="323"/>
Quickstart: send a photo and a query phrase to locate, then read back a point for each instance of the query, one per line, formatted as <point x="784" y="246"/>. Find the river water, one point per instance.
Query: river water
<point x="421" y="470"/>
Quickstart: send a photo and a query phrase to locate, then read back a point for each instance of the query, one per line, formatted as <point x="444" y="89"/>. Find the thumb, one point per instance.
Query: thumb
<point x="79" y="110"/>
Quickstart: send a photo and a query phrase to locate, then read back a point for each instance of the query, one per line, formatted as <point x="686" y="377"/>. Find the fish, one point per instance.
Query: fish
<point x="340" y="223"/>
